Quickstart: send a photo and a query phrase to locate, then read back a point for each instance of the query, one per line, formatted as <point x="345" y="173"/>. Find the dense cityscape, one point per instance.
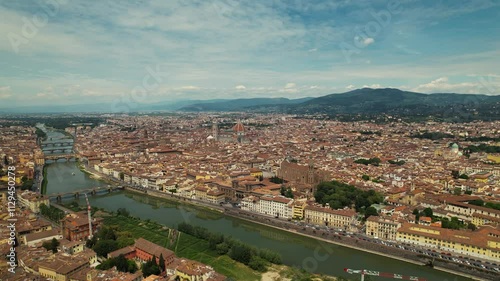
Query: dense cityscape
<point x="424" y="192"/>
<point x="262" y="140"/>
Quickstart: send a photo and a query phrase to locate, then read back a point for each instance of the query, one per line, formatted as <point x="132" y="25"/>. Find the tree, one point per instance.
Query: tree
<point x="455" y="174"/>
<point x="222" y="248"/>
<point x="477" y="202"/>
<point x="106" y="233"/>
<point x="104" y="247"/>
<point x="289" y="193"/>
<point x="257" y="263"/>
<point x="339" y="195"/>
<point x="54" y="244"/>
<point x="463" y="176"/>
<point x="51" y="245"/>
<point x="162" y="263"/>
<point x="282" y="190"/>
<point x="240" y="252"/>
<point x="428" y="212"/>
<point x="365" y="177"/>
<point x="91" y="242"/>
<point x="471" y="226"/>
<point x="370" y="211"/>
<point x="121" y="263"/>
<point x="416" y="213"/>
<point x="122" y="212"/>
<point x="276" y="180"/>
<point x="150" y="267"/>
<point x="457" y="191"/>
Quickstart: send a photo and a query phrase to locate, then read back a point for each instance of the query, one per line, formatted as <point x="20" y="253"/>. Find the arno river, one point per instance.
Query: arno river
<point x="295" y="250"/>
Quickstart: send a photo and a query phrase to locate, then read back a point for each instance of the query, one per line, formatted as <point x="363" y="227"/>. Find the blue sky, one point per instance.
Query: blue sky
<point x="71" y="52"/>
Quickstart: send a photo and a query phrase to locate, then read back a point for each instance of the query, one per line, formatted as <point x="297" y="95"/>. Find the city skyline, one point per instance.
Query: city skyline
<point x="62" y="52"/>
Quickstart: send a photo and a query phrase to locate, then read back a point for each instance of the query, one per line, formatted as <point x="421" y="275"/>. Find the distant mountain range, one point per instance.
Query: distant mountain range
<point x="367" y="102"/>
<point x="242" y="104"/>
<point x="364" y="102"/>
<point x="389" y="100"/>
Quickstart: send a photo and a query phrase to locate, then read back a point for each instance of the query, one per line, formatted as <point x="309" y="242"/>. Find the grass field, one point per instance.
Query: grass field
<point x="187" y="246"/>
<point x="196" y="249"/>
<point x="190" y="247"/>
<point x="151" y="231"/>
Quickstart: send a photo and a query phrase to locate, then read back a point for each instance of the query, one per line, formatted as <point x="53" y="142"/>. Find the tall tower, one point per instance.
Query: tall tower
<point x="215" y="131"/>
<point x="310" y="172"/>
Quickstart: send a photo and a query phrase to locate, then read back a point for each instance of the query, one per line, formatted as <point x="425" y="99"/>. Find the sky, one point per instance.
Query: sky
<point x="61" y="52"/>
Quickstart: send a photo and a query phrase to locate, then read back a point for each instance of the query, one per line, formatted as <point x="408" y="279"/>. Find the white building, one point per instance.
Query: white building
<point x="276" y="206"/>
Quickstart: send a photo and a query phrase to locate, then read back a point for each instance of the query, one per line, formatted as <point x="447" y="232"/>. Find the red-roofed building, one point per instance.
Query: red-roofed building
<point x="76" y="226"/>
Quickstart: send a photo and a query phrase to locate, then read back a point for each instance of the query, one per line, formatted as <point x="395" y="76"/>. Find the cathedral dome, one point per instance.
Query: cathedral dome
<point x="238" y="128"/>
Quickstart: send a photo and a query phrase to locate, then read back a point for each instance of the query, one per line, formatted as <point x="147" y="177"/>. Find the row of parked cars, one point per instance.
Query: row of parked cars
<point x="491" y="266"/>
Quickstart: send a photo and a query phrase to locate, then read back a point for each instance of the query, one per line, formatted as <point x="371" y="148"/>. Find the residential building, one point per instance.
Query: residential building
<point x="332" y="218"/>
<point x="32" y="200"/>
<point x="60" y="266"/>
<point x="383" y="228"/>
<point x="483" y="243"/>
<point x="76" y="226"/>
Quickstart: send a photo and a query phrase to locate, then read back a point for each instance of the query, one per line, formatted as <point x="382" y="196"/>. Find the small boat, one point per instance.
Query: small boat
<point x="73" y="173"/>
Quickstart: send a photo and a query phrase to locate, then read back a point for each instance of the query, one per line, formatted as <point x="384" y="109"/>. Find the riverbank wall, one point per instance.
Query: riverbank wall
<point x="176" y="198"/>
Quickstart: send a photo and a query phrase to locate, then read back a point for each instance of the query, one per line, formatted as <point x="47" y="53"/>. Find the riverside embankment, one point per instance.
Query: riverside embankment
<point x="297" y="250"/>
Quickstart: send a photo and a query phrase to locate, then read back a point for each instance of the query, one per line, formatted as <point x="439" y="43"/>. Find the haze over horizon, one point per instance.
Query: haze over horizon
<point x="64" y="52"/>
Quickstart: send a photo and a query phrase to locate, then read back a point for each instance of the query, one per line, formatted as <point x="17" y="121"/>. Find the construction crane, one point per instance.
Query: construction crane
<point x="90" y="217"/>
<point x="364" y="272"/>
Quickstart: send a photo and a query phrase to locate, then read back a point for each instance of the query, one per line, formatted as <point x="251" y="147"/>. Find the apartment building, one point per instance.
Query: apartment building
<point x="277" y="206"/>
<point x="483" y="243"/>
<point x="33" y="200"/>
<point x="382" y="228"/>
<point x="326" y="216"/>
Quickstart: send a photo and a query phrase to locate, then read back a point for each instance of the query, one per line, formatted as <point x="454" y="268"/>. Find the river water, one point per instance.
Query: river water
<point x="295" y="250"/>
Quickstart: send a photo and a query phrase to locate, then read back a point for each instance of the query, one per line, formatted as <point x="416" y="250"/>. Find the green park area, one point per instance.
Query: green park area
<point x="191" y="247"/>
<point x="186" y="246"/>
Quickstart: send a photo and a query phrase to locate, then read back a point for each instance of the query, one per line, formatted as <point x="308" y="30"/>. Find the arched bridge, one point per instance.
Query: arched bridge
<point x="76" y="194"/>
<point x="55" y="150"/>
<point x="57" y="143"/>
<point x="56" y="157"/>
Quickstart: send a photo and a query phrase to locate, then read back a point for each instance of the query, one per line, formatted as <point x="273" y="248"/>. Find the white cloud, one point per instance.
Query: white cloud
<point x="482" y="85"/>
<point x="368" y="41"/>
<point x="5" y="92"/>
<point x="373" y="86"/>
<point x="189" y="88"/>
<point x="105" y="52"/>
